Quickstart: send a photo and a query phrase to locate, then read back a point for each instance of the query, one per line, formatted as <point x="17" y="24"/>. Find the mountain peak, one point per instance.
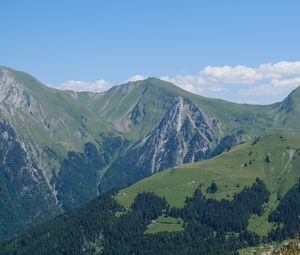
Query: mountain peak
<point x="156" y="83"/>
<point x="9" y="86"/>
<point x="291" y="102"/>
<point x="295" y="92"/>
<point x="14" y="97"/>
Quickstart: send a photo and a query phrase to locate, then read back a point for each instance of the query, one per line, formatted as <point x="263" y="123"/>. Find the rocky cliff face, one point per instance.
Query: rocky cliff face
<point x="14" y="98"/>
<point x="185" y="134"/>
<point x="26" y="115"/>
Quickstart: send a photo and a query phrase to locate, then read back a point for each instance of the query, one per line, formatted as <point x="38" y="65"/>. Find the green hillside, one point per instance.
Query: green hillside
<point x="241" y="198"/>
<point x="275" y="159"/>
<point x="100" y="228"/>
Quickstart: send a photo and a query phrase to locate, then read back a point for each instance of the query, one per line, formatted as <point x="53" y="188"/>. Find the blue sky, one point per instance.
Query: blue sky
<point x="96" y="44"/>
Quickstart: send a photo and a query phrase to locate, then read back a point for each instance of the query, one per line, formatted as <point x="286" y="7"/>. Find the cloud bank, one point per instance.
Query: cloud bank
<point x="266" y="79"/>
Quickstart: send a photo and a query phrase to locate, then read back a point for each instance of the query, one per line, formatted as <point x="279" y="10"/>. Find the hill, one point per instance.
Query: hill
<point x="238" y="199"/>
<point x="275" y="159"/>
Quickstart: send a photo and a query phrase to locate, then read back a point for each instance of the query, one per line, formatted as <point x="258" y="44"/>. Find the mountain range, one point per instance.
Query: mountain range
<point x="60" y="149"/>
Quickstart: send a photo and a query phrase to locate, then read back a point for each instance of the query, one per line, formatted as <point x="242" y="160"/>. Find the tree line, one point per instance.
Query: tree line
<point x="211" y="227"/>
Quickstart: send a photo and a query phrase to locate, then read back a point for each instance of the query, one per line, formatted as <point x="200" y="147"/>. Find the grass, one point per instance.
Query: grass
<point x="229" y="172"/>
<point x="165" y="224"/>
<point x="261" y="225"/>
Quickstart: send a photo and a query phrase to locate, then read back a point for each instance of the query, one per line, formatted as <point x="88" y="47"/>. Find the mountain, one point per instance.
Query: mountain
<point x="196" y="128"/>
<point x="77" y="144"/>
<point x="240" y="198"/>
<point x="184" y="134"/>
<point x="41" y="126"/>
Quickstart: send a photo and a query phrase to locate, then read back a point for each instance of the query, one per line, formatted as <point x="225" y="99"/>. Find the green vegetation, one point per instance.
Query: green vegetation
<point x="17" y="188"/>
<point x="94" y="228"/>
<point x="70" y="233"/>
<point x="205" y="225"/>
<point x="213" y="188"/>
<point x="224" y="215"/>
<point x="230" y="174"/>
<point x="260" y="224"/>
<point x="165" y="224"/>
<point x="286" y="215"/>
<point x="78" y="166"/>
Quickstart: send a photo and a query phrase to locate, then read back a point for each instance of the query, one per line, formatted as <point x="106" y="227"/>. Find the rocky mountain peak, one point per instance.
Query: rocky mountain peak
<point x="185" y="134"/>
<point x="183" y="111"/>
<point x="14" y="97"/>
<point x="10" y="88"/>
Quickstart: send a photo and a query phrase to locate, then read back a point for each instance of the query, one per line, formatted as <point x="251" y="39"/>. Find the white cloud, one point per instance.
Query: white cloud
<point x="228" y="74"/>
<point x="96" y="86"/>
<point x="241" y="74"/>
<point x="274" y="88"/>
<point x="280" y="69"/>
<point x="137" y="77"/>
<point x="265" y="79"/>
<point x="187" y="82"/>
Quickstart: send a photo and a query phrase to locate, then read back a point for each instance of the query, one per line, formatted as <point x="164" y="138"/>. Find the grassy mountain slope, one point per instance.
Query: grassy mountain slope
<point x="275" y="159"/>
<point x="138" y="106"/>
<point x="64" y="118"/>
<point x="134" y="108"/>
<point x="95" y="228"/>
